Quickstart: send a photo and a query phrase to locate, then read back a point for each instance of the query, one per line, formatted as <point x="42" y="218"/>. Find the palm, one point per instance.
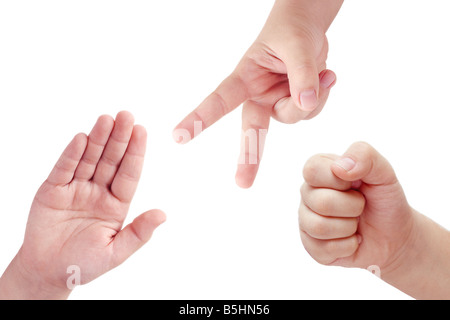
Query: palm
<point x="78" y="213"/>
<point x="80" y="217"/>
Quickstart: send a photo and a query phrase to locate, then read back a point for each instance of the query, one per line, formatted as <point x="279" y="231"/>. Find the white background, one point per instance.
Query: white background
<point x="64" y="63"/>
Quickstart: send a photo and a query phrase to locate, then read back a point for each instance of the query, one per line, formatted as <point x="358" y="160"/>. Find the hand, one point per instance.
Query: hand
<point x="283" y="75"/>
<point x="354" y="212"/>
<point x="78" y="213"/>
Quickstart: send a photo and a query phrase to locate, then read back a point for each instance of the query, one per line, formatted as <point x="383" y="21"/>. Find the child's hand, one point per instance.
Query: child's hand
<point x="353" y="211"/>
<point x="354" y="214"/>
<point x="283" y="75"/>
<point x="78" y="213"/>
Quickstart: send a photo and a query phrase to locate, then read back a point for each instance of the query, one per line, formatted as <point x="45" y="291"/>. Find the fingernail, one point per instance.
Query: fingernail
<point x="308" y="100"/>
<point x="345" y="163"/>
<point x="327" y="80"/>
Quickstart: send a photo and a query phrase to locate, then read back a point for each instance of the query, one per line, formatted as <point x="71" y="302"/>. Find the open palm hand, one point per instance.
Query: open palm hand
<point x="77" y="216"/>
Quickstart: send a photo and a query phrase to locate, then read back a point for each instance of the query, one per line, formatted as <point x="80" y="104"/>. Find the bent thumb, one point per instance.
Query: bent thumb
<point x="303" y="75"/>
<point x="361" y="162"/>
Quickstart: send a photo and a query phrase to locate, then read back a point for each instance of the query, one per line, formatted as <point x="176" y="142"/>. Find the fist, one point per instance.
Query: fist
<point x="353" y="211"/>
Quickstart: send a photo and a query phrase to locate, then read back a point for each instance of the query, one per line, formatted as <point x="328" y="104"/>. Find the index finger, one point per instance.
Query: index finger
<point x="317" y="173"/>
<point x="228" y="96"/>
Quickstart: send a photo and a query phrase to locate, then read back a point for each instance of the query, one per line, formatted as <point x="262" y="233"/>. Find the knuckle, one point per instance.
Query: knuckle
<point x="323" y="259"/>
<point x="319" y="228"/>
<point x="357" y="203"/>
<point x="352" y="246"/>
<point x="312" y="168"/>
<point x="317" y="254"/>
<point x="354" y="226"/>
<point x="323" y="202"/>
<point x="329" y="248"/>
<point x="316" y="250"/>
<point x="220" y="102"/>
<point x="360" y="205"/>
<point x="306" y="68"/>
<point x="363" y="148"/>
<point x="304" y="190"/>
<point x="326" y="257"/>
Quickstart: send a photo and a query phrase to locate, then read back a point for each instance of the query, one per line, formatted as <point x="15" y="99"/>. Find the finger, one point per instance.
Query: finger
<point x="328" y="251"/>
<point x="333" y="203"/>
<point x="64" y="170"/>
<point x="302" y="70"/>
<point x="327" y="80"/>
<point x="363" y="162"/>
<point x="96" y="144"/>
<point x="317" y="173"/>
<point x="255" y="123"/>
<point x="286" y="110"/>
<point x="126" y="180"/>
<point x="325" y="228"/>
<point x="228" y="96"/>
<point x="135" y="235"/>
<point x="115" y="149"/>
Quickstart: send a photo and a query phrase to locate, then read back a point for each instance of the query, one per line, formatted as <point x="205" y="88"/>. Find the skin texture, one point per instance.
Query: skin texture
<point x="283" y="75"/>
<point x="78" y="213"/>
<point x="354" y="213"/>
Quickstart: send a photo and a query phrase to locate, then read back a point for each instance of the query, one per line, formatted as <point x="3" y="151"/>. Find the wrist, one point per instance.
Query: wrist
<point x="422" y="269"/>
<point x="17" y="283"/>
<point x="317" y="14"/>
<point x="407" y="253"/>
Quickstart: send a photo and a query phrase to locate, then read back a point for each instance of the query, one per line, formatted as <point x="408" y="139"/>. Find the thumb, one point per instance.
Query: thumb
<point x="303" y="75"/>
<point x="136" y="234"/>
<point x="363" y="163"/>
